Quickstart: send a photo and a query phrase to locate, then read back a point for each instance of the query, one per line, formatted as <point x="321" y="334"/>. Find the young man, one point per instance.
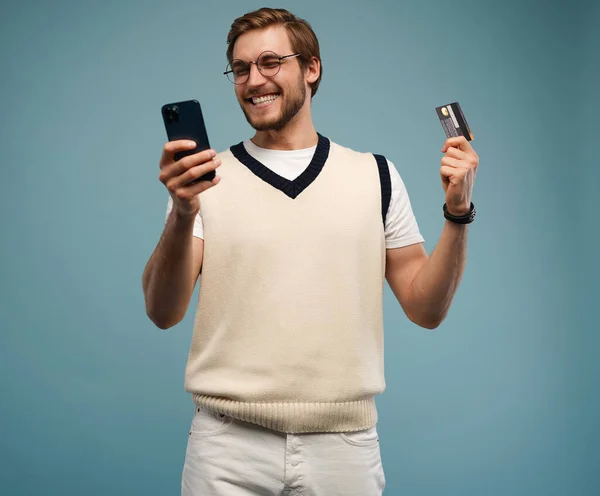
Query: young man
<point x="293" y="240"/>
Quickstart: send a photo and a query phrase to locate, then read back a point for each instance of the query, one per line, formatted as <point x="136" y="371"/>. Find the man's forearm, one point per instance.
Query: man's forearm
<point x="167" y="280"/>
<point x="436" y="283"/>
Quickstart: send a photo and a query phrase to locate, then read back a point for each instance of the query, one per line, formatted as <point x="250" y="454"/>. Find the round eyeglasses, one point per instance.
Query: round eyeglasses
<point x="268" y="63"/>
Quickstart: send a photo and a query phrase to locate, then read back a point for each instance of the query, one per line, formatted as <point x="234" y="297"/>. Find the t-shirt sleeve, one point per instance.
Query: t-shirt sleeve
<point x="401" y="228"/>
<point x="198" y="225"/>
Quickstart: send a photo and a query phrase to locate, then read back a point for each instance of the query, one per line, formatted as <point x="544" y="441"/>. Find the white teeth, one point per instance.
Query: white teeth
<point x="263" y="99"/>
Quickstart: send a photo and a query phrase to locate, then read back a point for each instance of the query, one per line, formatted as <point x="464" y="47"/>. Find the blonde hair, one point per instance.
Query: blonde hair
<point x="301" y="35"/>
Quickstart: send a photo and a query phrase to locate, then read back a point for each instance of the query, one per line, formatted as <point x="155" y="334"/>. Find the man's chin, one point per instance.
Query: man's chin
<point x="273" y="126"/>
<point x="264" y="124"/>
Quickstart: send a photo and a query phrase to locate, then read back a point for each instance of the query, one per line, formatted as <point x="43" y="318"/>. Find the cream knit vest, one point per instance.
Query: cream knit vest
<point x="288" y="332"/>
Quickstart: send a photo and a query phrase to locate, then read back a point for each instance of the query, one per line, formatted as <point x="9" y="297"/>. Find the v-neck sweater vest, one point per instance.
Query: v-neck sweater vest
<point x="288" y="332"/>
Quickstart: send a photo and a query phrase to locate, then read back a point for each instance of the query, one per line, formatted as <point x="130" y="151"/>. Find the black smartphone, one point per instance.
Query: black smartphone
<point x="184" y="120"/>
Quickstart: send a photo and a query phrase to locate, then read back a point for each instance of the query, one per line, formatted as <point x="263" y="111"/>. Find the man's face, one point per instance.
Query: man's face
<point x="287" y="87"/>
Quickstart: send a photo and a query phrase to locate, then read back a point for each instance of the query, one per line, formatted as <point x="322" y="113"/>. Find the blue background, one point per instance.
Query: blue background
<point x="502" y="399"/>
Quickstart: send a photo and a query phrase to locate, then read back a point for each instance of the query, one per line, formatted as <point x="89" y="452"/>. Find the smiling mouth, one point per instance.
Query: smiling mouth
<point x="256" y="100"/>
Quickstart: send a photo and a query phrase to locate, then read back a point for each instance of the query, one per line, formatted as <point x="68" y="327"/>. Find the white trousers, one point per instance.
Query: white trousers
<point x="228" y="457"/>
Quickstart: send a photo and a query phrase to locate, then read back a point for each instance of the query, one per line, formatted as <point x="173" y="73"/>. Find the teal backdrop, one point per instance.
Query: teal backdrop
<point x="501" y="399"/>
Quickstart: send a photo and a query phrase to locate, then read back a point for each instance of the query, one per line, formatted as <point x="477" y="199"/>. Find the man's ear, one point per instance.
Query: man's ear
<point x="313" y="70"/>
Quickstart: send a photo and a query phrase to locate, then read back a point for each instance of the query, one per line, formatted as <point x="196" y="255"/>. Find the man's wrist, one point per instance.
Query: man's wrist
<point x="460" y="218"/>
<point x="185" y="215"/>
<point x="458" y="212"/>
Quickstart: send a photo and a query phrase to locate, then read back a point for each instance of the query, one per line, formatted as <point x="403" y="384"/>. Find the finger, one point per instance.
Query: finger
<point x="459" y="142"/>
<point x="172" y="147"/>
<point x="193" y="173"/>
<point x="190" y="161"/>
<point x="174" y="169"/>
<point x="199" y="187"/>
<point x="453" y="162"/>
<point x="448" y="172"/>
<point x="456" y="153"/>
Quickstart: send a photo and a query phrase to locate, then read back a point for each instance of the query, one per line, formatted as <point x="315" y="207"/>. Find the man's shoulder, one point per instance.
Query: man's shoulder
<point x="351" y="152"/>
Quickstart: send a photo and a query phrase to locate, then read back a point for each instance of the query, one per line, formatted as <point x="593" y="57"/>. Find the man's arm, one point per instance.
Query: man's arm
<point x="172" y="271"/>
<point x="425" y="286"/>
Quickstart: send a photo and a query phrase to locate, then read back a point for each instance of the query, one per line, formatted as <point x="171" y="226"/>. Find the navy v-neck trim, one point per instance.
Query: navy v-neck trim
<point x="290" y="188"/>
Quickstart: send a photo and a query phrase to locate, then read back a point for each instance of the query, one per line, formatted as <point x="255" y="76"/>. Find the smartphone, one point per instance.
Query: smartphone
<point x="453" y="121"/>
<point x="184" y="120"/>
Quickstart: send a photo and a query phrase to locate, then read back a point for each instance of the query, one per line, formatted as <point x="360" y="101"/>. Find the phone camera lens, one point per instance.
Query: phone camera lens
<point x="172" y="113"/>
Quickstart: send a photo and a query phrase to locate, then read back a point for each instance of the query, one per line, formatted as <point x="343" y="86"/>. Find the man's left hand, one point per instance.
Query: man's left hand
<point x="459" y="167"/>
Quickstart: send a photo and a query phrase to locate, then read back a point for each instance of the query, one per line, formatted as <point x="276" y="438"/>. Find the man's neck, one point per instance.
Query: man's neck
<point x="294" y="136"/>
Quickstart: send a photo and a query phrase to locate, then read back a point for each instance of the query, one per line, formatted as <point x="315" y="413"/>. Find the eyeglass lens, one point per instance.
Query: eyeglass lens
<point x="268" y="64"/>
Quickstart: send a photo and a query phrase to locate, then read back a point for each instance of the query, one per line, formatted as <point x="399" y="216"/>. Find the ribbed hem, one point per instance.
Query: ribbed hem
<point x="297" y="418"/>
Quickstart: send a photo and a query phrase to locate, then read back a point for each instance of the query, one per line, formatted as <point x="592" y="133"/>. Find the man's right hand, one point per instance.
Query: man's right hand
<point x="177" y="174"/>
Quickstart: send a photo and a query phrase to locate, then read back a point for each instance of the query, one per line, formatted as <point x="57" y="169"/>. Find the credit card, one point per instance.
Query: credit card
<point x="453" y="121"/>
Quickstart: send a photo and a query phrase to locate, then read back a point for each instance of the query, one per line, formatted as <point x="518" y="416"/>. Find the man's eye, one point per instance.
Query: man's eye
<point x="240" y="71"/>
<point x="270" y="64"/>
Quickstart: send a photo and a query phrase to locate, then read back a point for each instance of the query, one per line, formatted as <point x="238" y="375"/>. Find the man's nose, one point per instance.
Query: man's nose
<point x="255" y="78"/>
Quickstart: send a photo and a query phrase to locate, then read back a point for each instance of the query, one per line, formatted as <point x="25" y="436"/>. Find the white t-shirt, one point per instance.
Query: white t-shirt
<point x="401" y="228"/>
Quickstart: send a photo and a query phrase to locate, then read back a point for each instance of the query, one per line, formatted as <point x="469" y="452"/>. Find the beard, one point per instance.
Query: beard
<point x="292" y="103"/>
